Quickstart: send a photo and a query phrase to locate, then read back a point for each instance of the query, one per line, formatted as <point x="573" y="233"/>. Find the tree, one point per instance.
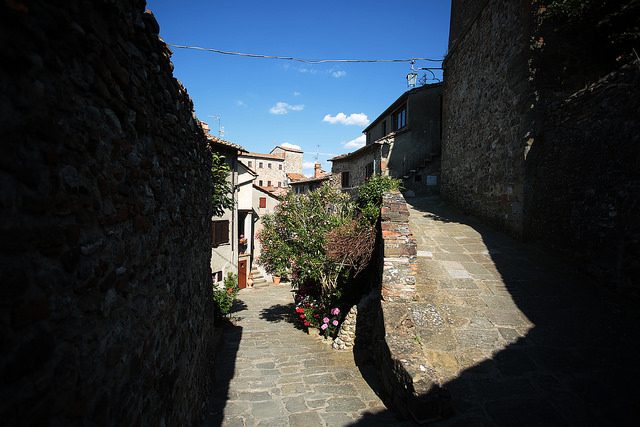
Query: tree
<point x="222" y="197"/>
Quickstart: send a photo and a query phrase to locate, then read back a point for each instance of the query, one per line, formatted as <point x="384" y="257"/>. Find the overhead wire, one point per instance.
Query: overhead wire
<point x="307" y="61"/>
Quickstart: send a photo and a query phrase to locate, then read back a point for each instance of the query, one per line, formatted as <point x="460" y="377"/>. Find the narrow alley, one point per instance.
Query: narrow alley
<point x="270" y="373"/>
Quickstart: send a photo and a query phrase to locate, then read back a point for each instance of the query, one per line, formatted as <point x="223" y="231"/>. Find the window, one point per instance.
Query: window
<point x="249" y="163"/>
<point x="400" y="118"/>
<point x="260" y="183"/>
<point x="263" y="202"/>
<point x="368" y="170"/>
<point x="269" y="165"/>
<point x="217" y="276"/>
<point x="345" y="179"/>
<point x="260" y="165"/>
<point x="268" y="183"/>
<point x="384" y="127"/>
<point x="219" y="232"/>
<point x="280" y="167"/>
<point x="279" y="184"/>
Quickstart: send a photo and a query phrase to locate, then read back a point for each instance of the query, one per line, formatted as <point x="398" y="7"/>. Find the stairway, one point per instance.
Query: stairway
<point x="258" y="278"/>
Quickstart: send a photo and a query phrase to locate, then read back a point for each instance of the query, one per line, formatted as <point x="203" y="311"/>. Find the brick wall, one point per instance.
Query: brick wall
<point x="104" y="222"/>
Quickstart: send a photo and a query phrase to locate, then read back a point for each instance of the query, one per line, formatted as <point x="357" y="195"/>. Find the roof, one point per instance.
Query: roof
<point x="262" y="156"/>
<point x="322" y="177"/>
<point x="251" y="171"/>
<point x="295" y="176"/>
<point x="402" y="98"/>
<point x="218" y="141"/>
<point x="287" y="149"/>
<point x="276" y="192"/>
<point x="359" y="151"/>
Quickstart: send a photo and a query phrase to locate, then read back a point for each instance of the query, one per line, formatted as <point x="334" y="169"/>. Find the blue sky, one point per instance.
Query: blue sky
<point x="320" y="108"/>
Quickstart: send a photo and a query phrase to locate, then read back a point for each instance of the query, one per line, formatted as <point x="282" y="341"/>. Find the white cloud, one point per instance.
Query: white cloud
<point x="353" y="119"/>
<point x="239" y="103"/>
<point x="339" y="73"/>
<point x="296" y="93"/>
<point x="284" y="108"/>
<point x="289" y="145"/>
<point x="308" y="165"/>
<point x="359" y="142"/>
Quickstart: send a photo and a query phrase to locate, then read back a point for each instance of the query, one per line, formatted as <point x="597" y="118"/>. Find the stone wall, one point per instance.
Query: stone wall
<point x="535" y="144"/>
<point x="487" y="99"/>
<point x="407" y="386"/>
<point x="106" y="311"/>
<point x="584" y="179"/>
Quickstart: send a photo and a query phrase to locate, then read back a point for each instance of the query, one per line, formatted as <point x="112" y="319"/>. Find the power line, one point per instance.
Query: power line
<point x="302" y="60"/>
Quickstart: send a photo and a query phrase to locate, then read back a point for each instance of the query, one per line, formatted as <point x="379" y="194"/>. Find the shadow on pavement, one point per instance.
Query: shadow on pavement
<point x="283" y="313"/>
<point x="578" y="365"/>
<point x="226" y="351"/>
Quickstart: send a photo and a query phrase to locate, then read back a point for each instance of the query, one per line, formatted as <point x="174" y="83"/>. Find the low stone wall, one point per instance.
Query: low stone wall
<point x="408" y="386"/>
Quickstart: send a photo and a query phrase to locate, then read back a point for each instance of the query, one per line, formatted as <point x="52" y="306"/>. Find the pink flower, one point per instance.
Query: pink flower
<point x="325" y="320"/>
<point x="324" y="326"/>
<point x="335" y="311"/>
<point x="335" y="323"/>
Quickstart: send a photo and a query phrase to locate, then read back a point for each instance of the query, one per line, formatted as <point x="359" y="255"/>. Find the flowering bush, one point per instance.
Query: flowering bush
<point x="223" y="297"/>
<point x="242" y="240"/>
<point x="317" y="312"/>
<point x="293" y="238"/>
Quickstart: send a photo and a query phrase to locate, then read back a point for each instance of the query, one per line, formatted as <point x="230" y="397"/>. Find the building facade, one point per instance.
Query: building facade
<point x="403" y="142"/>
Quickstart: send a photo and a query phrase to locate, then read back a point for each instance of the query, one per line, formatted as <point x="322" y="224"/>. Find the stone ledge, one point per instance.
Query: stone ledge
<point x="410" y="385"/>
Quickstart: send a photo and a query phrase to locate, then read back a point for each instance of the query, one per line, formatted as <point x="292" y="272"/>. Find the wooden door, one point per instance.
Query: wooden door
<point x="242" y="274"/>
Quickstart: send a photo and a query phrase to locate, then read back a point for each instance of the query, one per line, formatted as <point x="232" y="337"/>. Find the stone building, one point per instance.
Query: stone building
<point x="272" y="168"/>
<point x="292" y="158"/>
<point x="403" y="142"/>
<point x="541" y="135"/>
<point x="306" y="185"/>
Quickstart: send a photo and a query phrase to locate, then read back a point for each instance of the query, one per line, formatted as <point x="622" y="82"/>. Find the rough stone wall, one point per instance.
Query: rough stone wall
<point x="487" y="99"/>
<point x="407" y="386"/>
<point x="535" y="143"/>
<point x="356" y="166"/>
<point x="106" y="311"/>
<point x="585" y="179"/>
<point x="292" y="159"/>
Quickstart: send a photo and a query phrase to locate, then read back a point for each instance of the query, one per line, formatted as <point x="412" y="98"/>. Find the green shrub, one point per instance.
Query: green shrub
<point x="223" y="297"/>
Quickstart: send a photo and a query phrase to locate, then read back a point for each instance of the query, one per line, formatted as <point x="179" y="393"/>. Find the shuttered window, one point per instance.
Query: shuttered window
<point x="345" y="179"/>
<point x="263" y="202"/>
<point x="219" y="232"/>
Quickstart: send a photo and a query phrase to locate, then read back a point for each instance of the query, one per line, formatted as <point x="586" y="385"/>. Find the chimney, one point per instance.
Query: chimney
<point x="205" y="128"/>
<point x="317" y="170"/>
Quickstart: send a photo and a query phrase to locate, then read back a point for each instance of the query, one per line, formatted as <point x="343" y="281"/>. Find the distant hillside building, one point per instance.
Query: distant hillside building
<point x="272" y="169"/>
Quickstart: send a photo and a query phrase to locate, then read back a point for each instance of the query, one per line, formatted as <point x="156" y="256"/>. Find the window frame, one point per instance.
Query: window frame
<point x="219" y="232"/>
<point x="345" y="178"/>
<point x="262" y="203"/>
<point x="400" y="118"/>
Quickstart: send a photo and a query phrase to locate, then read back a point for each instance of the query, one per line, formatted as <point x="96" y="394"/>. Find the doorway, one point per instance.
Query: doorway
<point x="242" y="274"/>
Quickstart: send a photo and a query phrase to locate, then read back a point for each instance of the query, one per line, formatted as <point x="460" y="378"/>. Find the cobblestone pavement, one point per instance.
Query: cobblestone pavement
<point x="518" y="338"/>
<point x="269" y="373"/>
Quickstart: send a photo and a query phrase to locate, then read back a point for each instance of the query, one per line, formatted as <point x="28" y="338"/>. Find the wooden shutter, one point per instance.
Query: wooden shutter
<point x="219" y="232"/>
<point x="263" y="202"/>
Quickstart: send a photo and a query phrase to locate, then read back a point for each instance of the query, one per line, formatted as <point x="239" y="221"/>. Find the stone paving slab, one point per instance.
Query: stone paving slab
<point x="518" y="338"/>
<point x="270" y="373"/>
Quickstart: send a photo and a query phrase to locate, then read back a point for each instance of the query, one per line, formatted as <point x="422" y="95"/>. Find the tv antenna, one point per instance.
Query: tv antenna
<point x="220" y="128"/>
<point x="317" y="152"/>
